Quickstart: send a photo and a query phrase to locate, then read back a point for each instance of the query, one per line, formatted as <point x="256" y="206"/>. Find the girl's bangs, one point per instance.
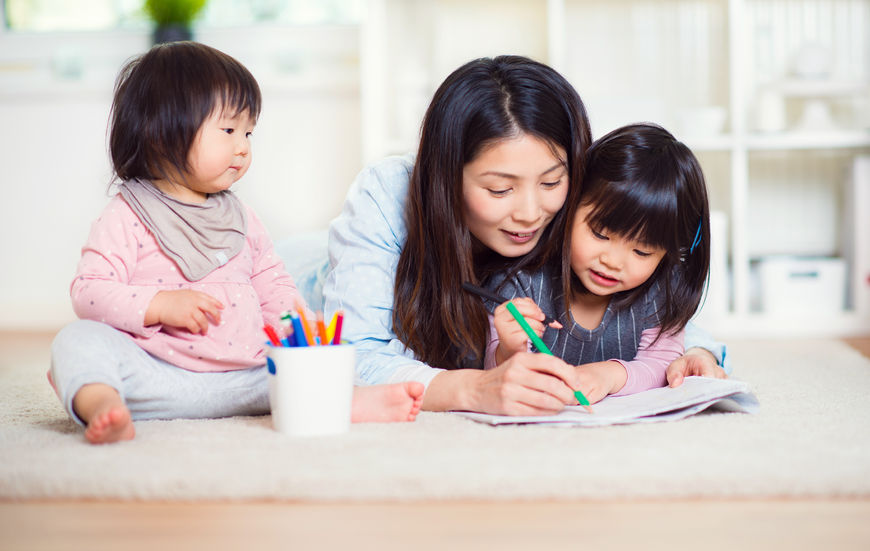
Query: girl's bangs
<point x="637" y="212"/>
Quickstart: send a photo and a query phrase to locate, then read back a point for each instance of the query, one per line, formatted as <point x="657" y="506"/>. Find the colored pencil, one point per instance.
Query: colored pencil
<point x="330" y="329"/>
<point x="298" y="331"/>
<point x="336" y="338"/>
<point x="321" y="329"/>
<point x="498" y="299"/>
<point x="306" y="329"/>
<point x="273" y="336"/>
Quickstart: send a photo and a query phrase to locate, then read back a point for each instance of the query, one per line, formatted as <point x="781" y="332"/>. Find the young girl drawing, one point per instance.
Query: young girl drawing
<point x="633" y="267"/>
<point x="178" y="277"/>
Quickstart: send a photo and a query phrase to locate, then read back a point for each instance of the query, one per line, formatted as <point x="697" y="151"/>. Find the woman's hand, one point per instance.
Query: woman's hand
<point x="511" y="337"/>
<point x="525" y="384"/>
<point x="696" y="361"/>
<point x="185" y="308"/>
<point x="599" y="379"/>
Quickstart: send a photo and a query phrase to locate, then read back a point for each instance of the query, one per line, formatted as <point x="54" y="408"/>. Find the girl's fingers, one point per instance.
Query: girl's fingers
<point x="212" y="313"/>
<point x="201" y="322"/>
<point x="529" y="309"/>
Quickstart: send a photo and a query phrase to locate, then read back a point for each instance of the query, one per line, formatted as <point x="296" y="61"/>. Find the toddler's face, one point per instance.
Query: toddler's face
<point x="219" y="157"/>
<point x="607" y="263"/>
<point x="512" y="191"/>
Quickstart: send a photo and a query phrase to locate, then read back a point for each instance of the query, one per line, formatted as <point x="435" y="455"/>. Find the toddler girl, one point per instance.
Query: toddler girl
<point x="178" y="277"/>
<point x="633" y="267"/>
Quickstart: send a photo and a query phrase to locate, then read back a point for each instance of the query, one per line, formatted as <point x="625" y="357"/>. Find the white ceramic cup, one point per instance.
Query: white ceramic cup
<point x="311" y="389"/>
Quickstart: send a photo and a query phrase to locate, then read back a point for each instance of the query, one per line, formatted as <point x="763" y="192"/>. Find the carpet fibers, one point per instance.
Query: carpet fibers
<point x="810" y="439"/>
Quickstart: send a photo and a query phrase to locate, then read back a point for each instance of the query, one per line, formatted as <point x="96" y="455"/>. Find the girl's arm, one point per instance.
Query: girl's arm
<point x="102" y="289"/>
<point x="647" y="369"/>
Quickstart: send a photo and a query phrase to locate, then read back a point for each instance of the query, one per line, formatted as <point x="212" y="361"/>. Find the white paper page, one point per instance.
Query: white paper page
<point x="658" y="404"/>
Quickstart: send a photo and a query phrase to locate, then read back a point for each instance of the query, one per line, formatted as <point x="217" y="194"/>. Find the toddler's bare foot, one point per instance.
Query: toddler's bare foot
<point x="386" y="403"/>
<point x="110" y="426"/>
<point x="108" y="419"/>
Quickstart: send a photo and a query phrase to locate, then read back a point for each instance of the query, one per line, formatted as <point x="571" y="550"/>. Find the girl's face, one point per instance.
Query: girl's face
<point x="219" y="157"/>
<point x="511" y="191"/>
<point x="606" y="263"/>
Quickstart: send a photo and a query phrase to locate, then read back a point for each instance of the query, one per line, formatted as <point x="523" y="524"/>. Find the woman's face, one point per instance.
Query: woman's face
<point x="511" y="191"/>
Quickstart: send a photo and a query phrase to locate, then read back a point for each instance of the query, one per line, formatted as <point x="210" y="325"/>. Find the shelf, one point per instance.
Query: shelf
<point x="838" y="139"/>
<point x="818" y="88"/>
<point x="762" y="325"/>
<point x="722" y="142"/>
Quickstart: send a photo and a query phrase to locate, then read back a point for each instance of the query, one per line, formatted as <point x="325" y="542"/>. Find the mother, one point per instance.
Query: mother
<point x="502" y="145"/>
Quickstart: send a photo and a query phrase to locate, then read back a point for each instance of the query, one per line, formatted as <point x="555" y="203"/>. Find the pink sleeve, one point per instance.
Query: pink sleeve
<point x="274" y="286"/>
<point x="101" y="290"/>
<point x="647" y="369"/>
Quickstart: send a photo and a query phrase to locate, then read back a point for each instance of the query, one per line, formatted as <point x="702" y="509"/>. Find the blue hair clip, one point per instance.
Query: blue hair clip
<point x="697" y="238"/>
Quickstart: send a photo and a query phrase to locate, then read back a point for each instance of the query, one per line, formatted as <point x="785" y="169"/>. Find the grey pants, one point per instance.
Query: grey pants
<point x="86" y="352"/>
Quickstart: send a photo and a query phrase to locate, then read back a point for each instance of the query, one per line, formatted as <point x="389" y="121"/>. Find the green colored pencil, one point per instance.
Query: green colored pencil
<point x="539" y="344"/>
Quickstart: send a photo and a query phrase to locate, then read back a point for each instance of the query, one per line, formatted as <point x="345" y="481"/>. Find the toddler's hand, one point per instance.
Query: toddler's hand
<point x="512" y="338"/>
<point x="599" y="379"/>
<point x="185" y="308"/>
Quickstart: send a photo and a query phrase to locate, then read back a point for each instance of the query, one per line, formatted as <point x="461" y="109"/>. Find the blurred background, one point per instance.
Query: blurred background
<point x="772" y="95"/>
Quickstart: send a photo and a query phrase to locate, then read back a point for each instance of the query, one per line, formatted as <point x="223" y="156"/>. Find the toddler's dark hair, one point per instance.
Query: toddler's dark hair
<point x="645" y="185"/>
<point x="161" y="100"/>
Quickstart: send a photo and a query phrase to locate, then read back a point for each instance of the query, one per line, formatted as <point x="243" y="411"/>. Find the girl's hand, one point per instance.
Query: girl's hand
<point x="512" y="338"/>
<point x="185" y="308"/>
<point x="525" y="384"/>
<point x="696" y="361"/>
<point x="599" y="379"/>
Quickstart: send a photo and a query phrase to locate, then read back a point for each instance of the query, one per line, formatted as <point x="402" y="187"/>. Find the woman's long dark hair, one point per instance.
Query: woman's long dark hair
<point x="481" y="103"/>
<point x="645" y="185"/>
<point x="161" y="100"/>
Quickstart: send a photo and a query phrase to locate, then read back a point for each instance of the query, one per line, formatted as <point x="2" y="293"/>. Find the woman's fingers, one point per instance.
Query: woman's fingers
<point x="544" y="374"/>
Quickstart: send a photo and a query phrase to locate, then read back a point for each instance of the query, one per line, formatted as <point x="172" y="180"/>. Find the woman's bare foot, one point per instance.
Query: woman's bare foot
<point x="386" y="403"/>
<point x="108" y="419"/>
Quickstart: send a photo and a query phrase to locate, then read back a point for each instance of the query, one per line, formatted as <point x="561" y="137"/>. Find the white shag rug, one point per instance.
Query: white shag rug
<point x="810" y="439"/>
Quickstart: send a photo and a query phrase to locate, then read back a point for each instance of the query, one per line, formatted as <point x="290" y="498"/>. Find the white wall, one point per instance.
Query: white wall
<point x="56" y="170"/>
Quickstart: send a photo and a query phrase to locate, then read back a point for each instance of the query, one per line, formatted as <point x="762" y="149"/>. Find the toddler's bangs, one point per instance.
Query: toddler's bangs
<point x="238" y="95"/>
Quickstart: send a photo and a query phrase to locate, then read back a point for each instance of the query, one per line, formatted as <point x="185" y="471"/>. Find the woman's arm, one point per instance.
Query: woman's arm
<point x="526" y="384"/>
<point x="365" y="242"/>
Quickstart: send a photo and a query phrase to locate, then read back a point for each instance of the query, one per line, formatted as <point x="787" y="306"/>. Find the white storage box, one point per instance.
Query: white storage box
<point x="802" y="285"/>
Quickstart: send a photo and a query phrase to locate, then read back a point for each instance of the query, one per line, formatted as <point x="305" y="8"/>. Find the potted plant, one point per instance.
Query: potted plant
<point x="173" y="19"/>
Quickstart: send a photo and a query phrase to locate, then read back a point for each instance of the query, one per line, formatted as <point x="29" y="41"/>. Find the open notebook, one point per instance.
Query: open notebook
<point x="656" y="405"/>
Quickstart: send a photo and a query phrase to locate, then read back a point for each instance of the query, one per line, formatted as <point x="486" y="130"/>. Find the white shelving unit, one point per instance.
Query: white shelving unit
<point x="792" y="78"/>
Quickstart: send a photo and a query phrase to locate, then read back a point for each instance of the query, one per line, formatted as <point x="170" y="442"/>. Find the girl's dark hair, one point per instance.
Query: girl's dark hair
<point x="161" y="100"/>
<point x="644" y="185"/>
<point x="483" y="102"/>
